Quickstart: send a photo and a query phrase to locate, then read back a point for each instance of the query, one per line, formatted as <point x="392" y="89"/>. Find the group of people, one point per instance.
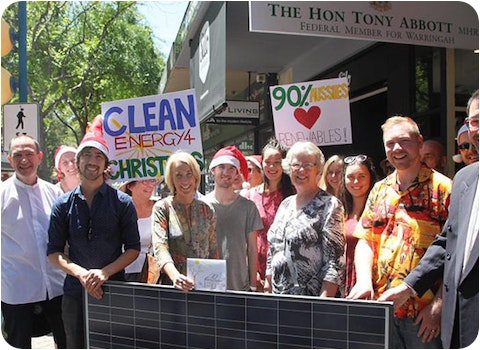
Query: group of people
<point x="303" y="225"/>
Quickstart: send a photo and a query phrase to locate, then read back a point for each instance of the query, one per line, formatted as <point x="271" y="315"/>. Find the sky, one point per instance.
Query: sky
<point x="164" y="17"/>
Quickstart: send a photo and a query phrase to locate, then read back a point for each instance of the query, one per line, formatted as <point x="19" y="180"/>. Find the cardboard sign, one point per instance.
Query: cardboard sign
<point x="143" y="132"/>
<point x="316" y="111"/>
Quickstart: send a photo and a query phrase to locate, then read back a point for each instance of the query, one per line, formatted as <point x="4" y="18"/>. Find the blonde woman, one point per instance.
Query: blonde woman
<point x="332" y="175"/>
<point x="183" y="226"/>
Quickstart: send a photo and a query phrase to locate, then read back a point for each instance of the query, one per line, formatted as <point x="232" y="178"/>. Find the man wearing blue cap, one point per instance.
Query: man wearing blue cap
<point x="467" y="154"/>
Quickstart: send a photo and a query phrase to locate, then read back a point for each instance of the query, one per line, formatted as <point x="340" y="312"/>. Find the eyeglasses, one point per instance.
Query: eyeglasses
<point x="464" y="146"/>
<point x="306" y="166"/>
<point x="471" y="122"/>
<point x="351" y="159"/>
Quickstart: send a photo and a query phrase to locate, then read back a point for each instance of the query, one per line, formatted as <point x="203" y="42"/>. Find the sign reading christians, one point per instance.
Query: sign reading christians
<point x="316" y="111"/>
<point x="452" y="24"/>
<point x="143" y="132"/>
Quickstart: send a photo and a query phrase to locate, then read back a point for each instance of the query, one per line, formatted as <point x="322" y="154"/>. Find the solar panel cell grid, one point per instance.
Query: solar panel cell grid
<point x="133" y="315"/>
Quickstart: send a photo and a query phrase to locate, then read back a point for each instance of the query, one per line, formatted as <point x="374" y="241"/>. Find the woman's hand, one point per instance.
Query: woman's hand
<point x="267" y="287"/>
<point x="184" y="283"/>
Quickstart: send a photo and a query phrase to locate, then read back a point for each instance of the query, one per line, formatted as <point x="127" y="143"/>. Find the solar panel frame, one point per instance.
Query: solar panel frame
<point x="136" y="315"/>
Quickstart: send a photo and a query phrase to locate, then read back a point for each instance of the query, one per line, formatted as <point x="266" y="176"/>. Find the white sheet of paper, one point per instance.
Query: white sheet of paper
<point x="208" y="274"/>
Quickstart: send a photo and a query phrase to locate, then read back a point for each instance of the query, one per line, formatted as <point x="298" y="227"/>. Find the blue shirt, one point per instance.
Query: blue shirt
<point x="95" y="235"/>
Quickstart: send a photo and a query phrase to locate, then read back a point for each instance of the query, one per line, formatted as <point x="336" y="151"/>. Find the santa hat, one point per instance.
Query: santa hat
<point x="233" y="156"/>
<point x="256" y="159"/>
<point x="60" y="151"/>
<point x="94" y="137"/>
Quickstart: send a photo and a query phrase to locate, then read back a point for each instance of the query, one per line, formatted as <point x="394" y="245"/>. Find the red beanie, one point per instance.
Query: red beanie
<point x="94" y="137"/>
<point x="233" y="156"/>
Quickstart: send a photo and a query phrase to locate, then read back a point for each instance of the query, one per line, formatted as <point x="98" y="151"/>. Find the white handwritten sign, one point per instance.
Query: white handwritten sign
<point x="143" y="132"/>
<point x="316" y="111"/>
<point x="208" y="274"/>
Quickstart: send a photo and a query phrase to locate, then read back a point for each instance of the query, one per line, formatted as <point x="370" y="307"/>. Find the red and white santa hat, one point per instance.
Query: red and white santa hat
<point x="256" y="159"/>
<point x="94" y="137"/>
<point x="233" y="156"/>
<point x="60" y="151"/>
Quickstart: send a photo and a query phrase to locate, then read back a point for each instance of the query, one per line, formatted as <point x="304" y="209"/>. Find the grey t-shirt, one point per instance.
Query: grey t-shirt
<point x="235" y="222"/>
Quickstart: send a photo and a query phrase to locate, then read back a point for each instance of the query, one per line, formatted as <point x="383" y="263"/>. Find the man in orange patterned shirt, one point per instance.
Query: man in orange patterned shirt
<point x="403" y="214"/>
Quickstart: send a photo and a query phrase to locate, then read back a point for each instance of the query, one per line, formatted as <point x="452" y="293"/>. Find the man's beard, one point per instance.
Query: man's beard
<point x="89" y="175"/>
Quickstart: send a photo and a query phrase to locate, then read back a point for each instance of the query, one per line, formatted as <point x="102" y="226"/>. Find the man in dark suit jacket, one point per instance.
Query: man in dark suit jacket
<point x="454" y="253"/>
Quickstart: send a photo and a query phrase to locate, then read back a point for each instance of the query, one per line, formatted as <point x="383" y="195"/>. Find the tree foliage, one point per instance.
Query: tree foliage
<point x="81" y="54"/>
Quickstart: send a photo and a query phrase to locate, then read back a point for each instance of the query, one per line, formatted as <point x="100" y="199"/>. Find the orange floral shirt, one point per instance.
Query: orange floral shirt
<point x="401" y="225"/>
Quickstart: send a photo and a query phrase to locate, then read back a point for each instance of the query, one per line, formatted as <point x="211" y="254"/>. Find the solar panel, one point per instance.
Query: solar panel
<point x="135" y="315"/>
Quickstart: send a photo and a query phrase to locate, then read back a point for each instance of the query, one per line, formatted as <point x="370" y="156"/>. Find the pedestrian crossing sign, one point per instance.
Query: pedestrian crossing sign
<point x="18" y="119"/>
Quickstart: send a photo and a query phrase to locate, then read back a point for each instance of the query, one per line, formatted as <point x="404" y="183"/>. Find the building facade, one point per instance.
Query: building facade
<point x="401" y="58"/>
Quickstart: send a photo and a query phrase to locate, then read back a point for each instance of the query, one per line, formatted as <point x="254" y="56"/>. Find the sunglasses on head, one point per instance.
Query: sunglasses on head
<point x="351" y="159"/>
<point x="464" y="146"/>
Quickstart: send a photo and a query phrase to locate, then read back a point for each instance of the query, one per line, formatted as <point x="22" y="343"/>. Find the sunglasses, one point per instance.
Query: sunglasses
<point x="464" y="146"/>
<point x="351" y="159"/>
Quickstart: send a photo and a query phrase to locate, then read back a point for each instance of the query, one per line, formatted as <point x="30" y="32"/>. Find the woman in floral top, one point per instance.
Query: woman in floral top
<point x="306" y="240"/>
<point x="183" y="226"/>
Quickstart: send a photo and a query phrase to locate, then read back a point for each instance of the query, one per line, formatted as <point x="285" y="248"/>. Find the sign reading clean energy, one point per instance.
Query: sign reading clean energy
<point x="452" y="24"/>
<point x="316" y="111"/>
<point x="143" y="132"/>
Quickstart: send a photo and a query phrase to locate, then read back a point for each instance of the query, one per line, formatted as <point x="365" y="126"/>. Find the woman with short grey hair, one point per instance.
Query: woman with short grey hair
<point x="306" y="239"/>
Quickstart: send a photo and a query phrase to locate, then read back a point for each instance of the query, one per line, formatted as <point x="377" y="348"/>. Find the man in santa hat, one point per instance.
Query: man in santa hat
<point x="99" y="223"/>
<point x="237" y="220"/>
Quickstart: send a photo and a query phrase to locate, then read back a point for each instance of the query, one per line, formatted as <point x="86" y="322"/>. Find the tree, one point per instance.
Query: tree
<point x="81" y="54"/>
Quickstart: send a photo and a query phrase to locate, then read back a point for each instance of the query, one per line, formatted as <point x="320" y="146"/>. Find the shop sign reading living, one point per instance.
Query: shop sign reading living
<point x="143" y="132"/>
<point x="316" y="111"/>
<point x="451" y="24"/>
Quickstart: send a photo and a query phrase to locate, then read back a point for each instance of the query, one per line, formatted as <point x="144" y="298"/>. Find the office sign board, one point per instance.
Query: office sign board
<point x="238" y="112"/>
<point x="18" y="119"/>
<point x="451" y="24"/>
<point x="208" y="61"/>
